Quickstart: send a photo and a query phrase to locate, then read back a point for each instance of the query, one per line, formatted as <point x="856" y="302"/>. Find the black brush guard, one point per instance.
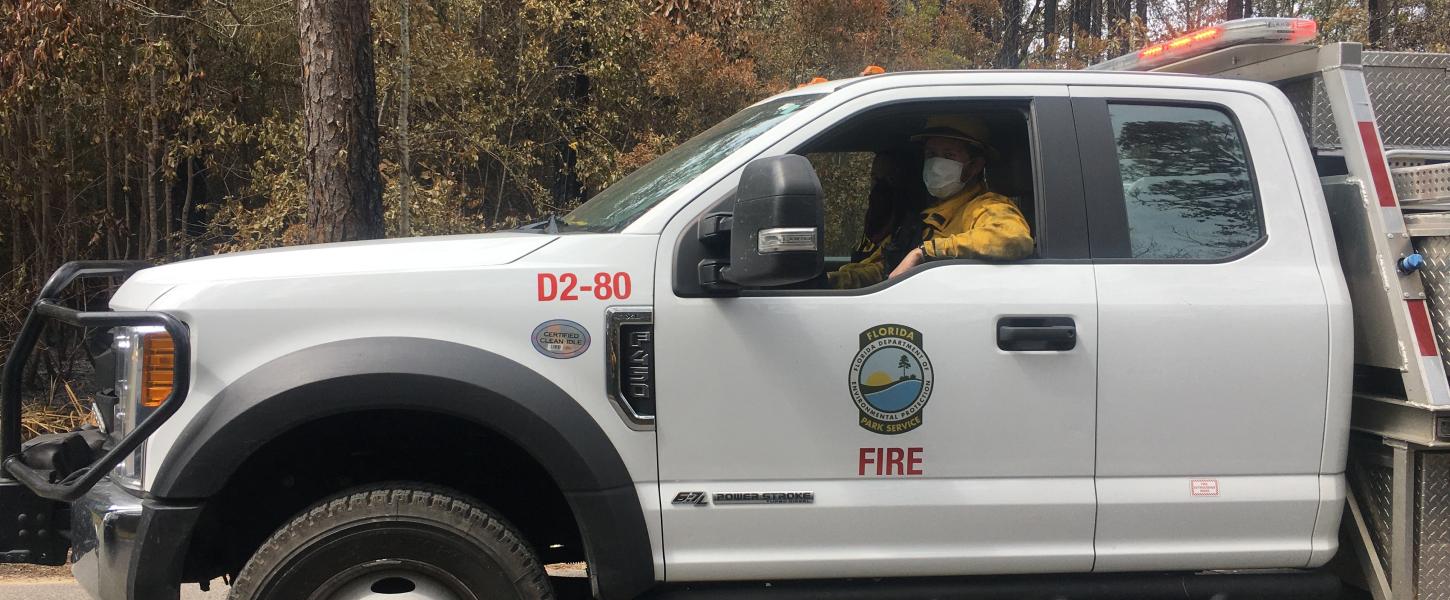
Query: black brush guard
<point x="78" y="482"/>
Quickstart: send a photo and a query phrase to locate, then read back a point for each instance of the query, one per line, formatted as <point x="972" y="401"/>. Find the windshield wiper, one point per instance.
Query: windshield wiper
<point x="548" y="224"/>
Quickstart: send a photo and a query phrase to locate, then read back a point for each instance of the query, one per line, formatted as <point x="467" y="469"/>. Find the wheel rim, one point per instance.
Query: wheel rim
<point x="393" y="580"/>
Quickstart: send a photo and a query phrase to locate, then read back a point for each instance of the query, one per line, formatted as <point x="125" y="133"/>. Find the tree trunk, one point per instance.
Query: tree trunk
<point x="344" y="198"/>
<point x="1082" y="17"/>
<point x="148" y="205"/>
<point x="15" y="154"/>
<point x="131" y="226"/>
<point x="186" y="206"/>
<point x="70" y="229"/>
<point x="1049" y="29"/>
<point x="1119" y="13"/>
<point x="16" y="258"/>
<point x="108" y="222"/>
<point x="566" y="188"/>
<point x="1007" y="55"/>
<point x="1376" y="22"/>
<point x="405" y="96"/>
<point x="503" y="180"/>
<point x="42" y="194"/>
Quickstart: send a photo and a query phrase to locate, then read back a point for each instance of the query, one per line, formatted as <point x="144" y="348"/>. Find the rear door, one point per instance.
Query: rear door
<point x="1213" y="333"/>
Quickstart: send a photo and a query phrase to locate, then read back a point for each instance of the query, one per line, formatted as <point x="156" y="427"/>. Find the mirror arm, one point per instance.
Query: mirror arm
<point x="715" y="228"/>
<point x="713" y="277"/>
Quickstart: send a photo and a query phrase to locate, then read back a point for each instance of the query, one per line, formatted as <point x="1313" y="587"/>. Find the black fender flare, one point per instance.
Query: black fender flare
<point x="421" y="374"/>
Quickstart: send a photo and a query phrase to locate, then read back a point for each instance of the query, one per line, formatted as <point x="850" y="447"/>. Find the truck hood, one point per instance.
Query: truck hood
<point x="321" y="260"/>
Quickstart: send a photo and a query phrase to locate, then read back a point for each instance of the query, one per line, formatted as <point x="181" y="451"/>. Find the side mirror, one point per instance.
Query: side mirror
<point x="777" y="228"/>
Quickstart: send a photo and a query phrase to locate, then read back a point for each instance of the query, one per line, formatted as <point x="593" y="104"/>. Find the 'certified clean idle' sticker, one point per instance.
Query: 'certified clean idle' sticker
<point x="560" y="338"/>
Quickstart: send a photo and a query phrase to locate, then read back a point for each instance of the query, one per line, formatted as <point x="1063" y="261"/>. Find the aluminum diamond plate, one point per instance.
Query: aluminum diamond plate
<point x="1409" y="98"/>
<point x="1424" y="184"/>
<point x="1377" y="481"/>
<point x="1429" y="60"/>
<point x="1408" y="91"/>
<point x="1436" y="277"/>
<point x="1301" y="96"/>
<point x="1432" y="508"/>
<point x="1321" y="115"/>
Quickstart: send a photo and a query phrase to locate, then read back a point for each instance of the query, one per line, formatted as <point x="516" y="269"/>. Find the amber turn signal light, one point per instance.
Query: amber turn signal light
<point x="158" y="368"/>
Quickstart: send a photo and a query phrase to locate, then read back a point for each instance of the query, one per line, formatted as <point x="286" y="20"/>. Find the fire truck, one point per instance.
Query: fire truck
<point x="1221" y="371"/>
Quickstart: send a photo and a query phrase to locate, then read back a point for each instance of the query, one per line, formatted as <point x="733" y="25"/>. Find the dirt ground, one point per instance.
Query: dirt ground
<point x="33" y="573"/>
<point x="38" y="574"/>
<point x="28" y="582"/>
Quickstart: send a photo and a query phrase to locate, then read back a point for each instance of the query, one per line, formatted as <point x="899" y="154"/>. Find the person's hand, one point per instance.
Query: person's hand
<point x="915" y="257"/>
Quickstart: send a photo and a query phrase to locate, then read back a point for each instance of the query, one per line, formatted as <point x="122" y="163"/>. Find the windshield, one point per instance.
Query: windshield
<point x="620" y="204"/>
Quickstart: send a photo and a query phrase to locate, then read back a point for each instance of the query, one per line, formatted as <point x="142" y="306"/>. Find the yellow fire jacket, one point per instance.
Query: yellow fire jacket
<point x="973" y="223"/>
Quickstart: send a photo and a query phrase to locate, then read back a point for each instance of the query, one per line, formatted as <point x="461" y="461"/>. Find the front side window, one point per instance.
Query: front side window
<point x="846" y="182"/>
<point x="879" y="208"/>
<point x="620" y="204"/>
<point x="1187" y="187"/>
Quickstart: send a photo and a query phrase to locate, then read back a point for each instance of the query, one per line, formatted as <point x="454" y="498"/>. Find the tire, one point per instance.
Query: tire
<point x="411" y="540"/>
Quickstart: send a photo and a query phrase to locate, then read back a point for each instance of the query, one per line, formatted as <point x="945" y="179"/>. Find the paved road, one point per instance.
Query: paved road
<point x="67" y="590"/>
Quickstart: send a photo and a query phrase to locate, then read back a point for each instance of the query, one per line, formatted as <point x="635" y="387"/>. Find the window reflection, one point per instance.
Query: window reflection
<point x="1186" y="182"/>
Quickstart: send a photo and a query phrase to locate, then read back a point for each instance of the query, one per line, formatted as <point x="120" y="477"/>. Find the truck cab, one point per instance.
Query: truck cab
<point x="665" y="385"/>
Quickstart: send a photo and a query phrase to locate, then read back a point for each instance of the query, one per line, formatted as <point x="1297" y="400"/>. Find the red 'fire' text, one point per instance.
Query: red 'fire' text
<point x="889" y="462"/>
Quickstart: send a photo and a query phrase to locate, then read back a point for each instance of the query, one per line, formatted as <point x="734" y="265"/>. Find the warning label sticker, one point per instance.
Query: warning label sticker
<point x="1204" y="487"/>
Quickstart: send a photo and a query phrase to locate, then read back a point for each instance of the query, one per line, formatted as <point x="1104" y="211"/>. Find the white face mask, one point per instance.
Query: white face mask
<point x="943" y="177"/>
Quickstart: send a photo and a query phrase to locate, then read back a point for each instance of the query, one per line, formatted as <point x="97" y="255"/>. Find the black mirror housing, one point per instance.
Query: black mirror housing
<point x="777" y="232"/>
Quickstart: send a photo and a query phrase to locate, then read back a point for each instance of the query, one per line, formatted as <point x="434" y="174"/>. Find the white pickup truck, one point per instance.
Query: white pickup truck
<point x="1157" y="401"/>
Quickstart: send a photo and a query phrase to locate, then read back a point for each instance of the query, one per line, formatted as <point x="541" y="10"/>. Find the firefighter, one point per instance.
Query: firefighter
<point x="892" y="201"/>
<point x="966" y="221"/>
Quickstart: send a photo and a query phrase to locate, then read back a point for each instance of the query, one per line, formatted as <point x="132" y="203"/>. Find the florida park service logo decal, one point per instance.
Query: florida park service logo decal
<point x="890" y="379"/>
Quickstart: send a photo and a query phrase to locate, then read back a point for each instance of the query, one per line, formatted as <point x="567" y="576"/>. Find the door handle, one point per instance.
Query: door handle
<point x="1036" y="334"/>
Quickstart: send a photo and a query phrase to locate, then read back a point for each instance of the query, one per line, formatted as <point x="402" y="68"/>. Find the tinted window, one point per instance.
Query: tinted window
<point x="845" y="188"/>
<point x="1186" y="182"/>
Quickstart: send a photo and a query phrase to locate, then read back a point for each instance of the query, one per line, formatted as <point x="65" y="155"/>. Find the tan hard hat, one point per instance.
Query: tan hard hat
<point x="967" y="129"/>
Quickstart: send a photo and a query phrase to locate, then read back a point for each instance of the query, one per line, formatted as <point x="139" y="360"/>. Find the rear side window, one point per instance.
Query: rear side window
<point x="1187" y="186"/>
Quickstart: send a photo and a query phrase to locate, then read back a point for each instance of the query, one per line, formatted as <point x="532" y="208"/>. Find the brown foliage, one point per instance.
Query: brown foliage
<point x="162" y="130"/>
<point x="699" y="82"/>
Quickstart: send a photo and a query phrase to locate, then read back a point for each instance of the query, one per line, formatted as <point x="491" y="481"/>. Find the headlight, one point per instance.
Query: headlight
<point x="145" y="372"/>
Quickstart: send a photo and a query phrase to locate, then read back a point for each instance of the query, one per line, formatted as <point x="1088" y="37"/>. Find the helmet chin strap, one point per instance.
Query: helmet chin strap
<point x="980" y="176"/>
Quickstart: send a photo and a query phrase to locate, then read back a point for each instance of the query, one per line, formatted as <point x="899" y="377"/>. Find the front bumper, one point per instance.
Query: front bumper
<point x="129" y="548"/>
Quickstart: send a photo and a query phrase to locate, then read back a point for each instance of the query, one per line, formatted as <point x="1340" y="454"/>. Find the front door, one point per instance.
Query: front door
<point x="902" y="429"/>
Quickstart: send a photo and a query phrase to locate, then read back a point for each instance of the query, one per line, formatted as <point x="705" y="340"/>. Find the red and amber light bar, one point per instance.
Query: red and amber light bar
<point x="1258" y="30"/>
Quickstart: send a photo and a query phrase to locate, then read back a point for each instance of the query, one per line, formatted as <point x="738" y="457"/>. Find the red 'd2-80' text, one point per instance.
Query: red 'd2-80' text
<point x="565" y="287"/>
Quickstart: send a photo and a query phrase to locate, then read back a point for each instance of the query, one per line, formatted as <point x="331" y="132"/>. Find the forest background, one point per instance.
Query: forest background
<point x="168" y="129"/>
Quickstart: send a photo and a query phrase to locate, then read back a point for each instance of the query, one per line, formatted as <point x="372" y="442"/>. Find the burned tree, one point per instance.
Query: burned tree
<point x="344" y="192"/>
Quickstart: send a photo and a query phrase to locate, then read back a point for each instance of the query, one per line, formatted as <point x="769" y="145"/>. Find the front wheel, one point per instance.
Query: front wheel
<point x="395" y="541"/>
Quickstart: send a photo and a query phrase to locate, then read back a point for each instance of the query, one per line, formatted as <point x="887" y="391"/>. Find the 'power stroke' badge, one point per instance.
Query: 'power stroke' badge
<point x="890" y="379"/>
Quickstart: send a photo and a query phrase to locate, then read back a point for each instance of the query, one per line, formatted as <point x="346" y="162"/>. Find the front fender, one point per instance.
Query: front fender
<point x="431" y="375"/>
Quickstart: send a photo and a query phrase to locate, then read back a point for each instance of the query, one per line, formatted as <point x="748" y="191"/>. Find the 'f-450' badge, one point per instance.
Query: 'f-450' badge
<point x="890" y="379"/>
